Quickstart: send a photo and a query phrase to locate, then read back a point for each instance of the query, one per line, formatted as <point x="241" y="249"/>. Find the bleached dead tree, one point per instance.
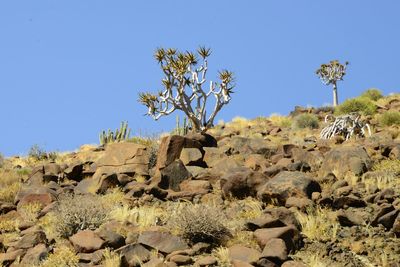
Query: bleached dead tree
<point x="347" y="126"/>
<point x="184" y="88"/>
<point x="331" y="73"/>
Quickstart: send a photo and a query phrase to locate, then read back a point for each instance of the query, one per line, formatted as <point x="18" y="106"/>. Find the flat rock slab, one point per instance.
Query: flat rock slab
<point x="86" y="241"/>
<point x="288" y="184"/>
<point x="162" y="241"/>
<point x="242" y="253"/>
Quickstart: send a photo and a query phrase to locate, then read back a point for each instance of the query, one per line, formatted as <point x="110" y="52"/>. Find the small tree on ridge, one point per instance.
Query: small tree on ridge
<point x="184" y="90"/>
<point x="331" y="73"/>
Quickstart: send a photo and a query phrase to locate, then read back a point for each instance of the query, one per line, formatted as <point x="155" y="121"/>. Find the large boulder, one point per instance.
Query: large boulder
<point x="86" y="241"/>
<point x="162" y="241"/>
<point x="242" y="182"/>
<point x="288" y="184"/>
<point x="341" y="160"/>
<point x="126" y="158"/>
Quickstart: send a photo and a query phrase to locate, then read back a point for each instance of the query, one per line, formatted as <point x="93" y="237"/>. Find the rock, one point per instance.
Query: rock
<point x="30" y="240"/>
<point x="8" y="257"/>
<point x="301" y="203"/>
<point x="212" y="155"/>
<point x="205" y="140"/>
<point x="171" y="147"/>
<point x="388" y="219"/>
<point x="197" y="171"/>
<point x="128" y="158"/>
<point x="287" y="184"/>
<point x="242" y="253"/>
<point x="43" y="199"/>
<point x="74" y="172"/>
<point x="264" y="262"/>
<point x="265" y="221"/>
<point x="382" y="210"/>
<point x="244" y="145"/>
<point x="239" y="263"/>
<point x="314" y="158"/>
<point x="343" y="159"/>
<point x="275" y="250"/>
<point x="289" y="234"/>
<point x="6" y="207"/>
<point x="339" y="184"/>
<point x="186" y="195"/>
<point x="192" y="157"/>
<point x="111" y="238"/>
<point x="396" y="226"/>
<point x="195" y="185"/>
<point x="133" y="254"/>
<point x="51" y="172"/>
<point x="348" y="218"/>
<point x="241" y="183"/>
<point x="36" y="177"/>
<point x="93" y="258"/>
<point x="206" y="261"/>
<point x="293" y="264"/>
<point x="173" y="175"/>
<point x="283" y="214"/>
<point x="181" y="259"/>
<point x="348" y="201"/>
<point x="344" y="191"/>
<point x="225" y="165"/>
<point x="35" y="255"/>
<point x="256" y="162"/>
<point x="86" y="241"/>
<point x="163" y="242"/>
<point x="99" y="183"/>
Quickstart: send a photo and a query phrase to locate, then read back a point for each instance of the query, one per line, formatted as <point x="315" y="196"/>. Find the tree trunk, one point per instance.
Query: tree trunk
<point x="335" y="95"/>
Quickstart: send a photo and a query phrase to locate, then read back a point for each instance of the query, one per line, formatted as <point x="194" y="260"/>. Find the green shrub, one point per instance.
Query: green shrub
<point x="306" y="120"/>
<point x="80" y="212"/>
<point x="372" y="94"/>
<point x="201" y="223"/>
<point x="390" y="118"/>
<point x="362" y="105"/>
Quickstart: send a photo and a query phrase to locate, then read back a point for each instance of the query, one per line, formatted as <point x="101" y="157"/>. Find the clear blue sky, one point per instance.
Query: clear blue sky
<point x="69" y="69"/>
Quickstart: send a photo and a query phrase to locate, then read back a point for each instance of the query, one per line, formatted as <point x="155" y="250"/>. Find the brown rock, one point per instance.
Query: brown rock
<point x="171" y="147"/>
<point x="275" y="250"/>
<point x="288" y="233"/>
<point x="195" y="185"/>
<point x="283" y="214"/>
<point x="293" y="264"/>
<point x="343" y="159"/>
<point x="163" y="242"/>
<point x="191" y="157"/>
<point x="239" y="263"/>
<point x="206" y="261"/>
<point x="74" y="172"/>
<point x="348" y="218"/>
<point x="9" y="257"/>
<point x="181" y="259"/>
<point x="30" y="240"/>
<point x="86" y="241"/>
<point x="133" y="254"/>
<point x="35" y="255"/>
<point x="242" y="182"/>
<point x="172" y="175"/>
<point x="265" y="221"/>
<point x="348" y="201"/>
<point x="242" y="253"/>
<point x="212" y="155"/>
<point x="111" y="238"/>
<point x="301" y="203"/>
<point x="44" y="199"/>
<point x="287" y="184"/>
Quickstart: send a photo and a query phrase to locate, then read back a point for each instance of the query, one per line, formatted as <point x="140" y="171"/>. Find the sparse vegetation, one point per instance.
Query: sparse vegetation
<point x="111" y="259"/>
<point x="359" y="104"/>
<point x="318" y="224"/>
<point x="388" y="166"/>
<point x="120" y="134"/>
<point x="201" y="223"/>
<point x="80" y="212"/>
<point x="62" y="256"/>
<point x="1" y="160"/>
<point x="389" y="118"/>
<point x="372" y="94"/>
<point x="306" y="120"/>
<point x="280" y="121"/>
<point x="10" y="184"/>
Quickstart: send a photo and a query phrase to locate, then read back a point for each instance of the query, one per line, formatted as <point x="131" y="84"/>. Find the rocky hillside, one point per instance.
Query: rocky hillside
<point x="262" y="192"/>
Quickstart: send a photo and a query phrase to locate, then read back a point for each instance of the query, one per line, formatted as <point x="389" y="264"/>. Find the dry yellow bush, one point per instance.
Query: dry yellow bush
<point x="62" y="256"/>
<point x="280" y="121"/>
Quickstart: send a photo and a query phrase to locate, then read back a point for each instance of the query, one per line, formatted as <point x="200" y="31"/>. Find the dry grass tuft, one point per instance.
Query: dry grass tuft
<point x="30" y="211"/>
<point x="62" y="256"/>
<point x="318" y="224"/>
<point x="143" y="217"/>
<point x="222" y="256"/>
<point x="280" y="121"/>
<point x="388" y="165"/>
<point x="111" y="258"/>
<point x="10" y="184"/>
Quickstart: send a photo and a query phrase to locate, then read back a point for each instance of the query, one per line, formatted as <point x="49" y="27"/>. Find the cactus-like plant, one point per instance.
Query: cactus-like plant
<point x="184" y="87"/>
<point x="120" y="134"/>
<point x="331" y="73"/>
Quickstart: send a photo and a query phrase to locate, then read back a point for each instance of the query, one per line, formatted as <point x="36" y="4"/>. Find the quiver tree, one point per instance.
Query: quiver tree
<point x="330" y="74"/>
<point x="184" y="87"/>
